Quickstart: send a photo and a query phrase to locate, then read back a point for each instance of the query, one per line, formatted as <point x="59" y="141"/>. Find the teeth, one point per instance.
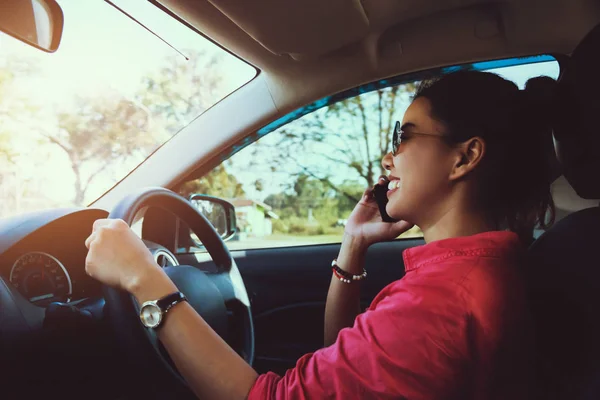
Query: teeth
<point x="395" y="184"/>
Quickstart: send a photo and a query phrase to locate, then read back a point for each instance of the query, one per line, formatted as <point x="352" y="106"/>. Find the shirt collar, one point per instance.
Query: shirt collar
<point x="488" y="244"/>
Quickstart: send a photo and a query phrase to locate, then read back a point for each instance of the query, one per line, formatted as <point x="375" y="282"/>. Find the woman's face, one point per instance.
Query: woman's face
<point x="419" y="171"/>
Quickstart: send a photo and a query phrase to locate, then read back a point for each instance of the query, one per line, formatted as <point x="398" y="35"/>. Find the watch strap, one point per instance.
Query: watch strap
<point x="165" y="303"/>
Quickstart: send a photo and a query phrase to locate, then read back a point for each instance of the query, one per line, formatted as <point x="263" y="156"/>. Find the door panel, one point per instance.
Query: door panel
<point x="288" y="288"/>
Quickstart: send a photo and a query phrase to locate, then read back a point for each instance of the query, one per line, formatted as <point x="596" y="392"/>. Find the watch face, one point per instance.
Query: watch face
<point x="151" y="315"/>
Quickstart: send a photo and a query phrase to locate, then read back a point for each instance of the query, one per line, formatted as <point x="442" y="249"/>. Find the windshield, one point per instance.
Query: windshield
<point x="75" y="122"/>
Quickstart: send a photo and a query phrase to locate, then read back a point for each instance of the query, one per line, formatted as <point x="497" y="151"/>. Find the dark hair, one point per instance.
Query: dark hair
<point x="514" y="175"/>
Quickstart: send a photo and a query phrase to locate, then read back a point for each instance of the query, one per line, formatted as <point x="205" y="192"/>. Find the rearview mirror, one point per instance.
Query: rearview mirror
<point x="38" y="23"/>
<point x="219" y="212"/>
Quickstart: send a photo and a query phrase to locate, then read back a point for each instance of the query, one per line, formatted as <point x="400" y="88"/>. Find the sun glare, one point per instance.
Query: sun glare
<point x="74" y="122"/>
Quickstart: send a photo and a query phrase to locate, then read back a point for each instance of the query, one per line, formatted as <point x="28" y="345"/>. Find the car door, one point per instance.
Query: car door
<point x="293" y="190"/>
<point x="288" y="287"/>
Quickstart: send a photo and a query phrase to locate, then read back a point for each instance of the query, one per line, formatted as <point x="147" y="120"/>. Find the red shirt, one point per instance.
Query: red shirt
<point x="454" y="327"/>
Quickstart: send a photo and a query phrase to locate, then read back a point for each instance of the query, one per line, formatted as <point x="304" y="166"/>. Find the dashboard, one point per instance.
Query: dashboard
<point x="43" y="254"/>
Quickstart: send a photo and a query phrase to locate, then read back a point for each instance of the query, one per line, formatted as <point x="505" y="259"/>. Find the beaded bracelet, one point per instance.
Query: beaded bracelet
<point x="344" y="276"/>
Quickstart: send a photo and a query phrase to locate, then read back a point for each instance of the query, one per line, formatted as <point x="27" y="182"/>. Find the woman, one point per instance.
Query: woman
<point x="468" y="167"/>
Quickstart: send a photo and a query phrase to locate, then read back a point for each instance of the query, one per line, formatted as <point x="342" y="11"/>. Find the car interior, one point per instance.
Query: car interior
<point x="268" y="302"/>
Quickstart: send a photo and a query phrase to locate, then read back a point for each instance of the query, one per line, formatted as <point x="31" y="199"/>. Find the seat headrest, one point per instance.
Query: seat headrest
<point x="576" y="128"/>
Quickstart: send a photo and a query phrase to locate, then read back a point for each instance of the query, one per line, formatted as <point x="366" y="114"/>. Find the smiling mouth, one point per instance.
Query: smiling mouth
<point x="394" y="184"/>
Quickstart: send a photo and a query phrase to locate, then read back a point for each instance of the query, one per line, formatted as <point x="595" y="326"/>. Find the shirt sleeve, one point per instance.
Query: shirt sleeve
<point x="412" y="345"/>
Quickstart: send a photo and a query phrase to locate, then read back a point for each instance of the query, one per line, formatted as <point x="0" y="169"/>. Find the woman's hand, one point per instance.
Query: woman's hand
<point x="366" y="226"/>
<point x="117" y="257"/>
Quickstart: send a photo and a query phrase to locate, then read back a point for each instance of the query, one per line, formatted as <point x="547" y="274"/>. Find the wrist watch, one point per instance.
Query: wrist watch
<point x="152" y="312"/>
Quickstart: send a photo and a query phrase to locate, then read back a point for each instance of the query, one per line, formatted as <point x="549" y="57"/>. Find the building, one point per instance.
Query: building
<point x="254" y="218"/>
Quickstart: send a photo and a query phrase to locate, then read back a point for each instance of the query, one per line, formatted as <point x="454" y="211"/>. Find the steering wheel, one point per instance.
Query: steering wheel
<point x="220" y="298"/>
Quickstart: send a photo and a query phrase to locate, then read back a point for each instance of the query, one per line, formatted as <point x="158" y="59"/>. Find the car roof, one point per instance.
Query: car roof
<point x="313" y="48"/>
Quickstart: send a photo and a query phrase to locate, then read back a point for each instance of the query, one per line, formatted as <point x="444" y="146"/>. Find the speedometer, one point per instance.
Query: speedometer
<point x="41" y="278"/>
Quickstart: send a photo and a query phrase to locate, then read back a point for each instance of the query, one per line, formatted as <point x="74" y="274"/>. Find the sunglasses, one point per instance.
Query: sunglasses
<point x="399" y="135"/>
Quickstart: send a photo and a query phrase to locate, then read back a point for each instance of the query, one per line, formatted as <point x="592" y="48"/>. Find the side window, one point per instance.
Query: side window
<point x="298" y="184"/>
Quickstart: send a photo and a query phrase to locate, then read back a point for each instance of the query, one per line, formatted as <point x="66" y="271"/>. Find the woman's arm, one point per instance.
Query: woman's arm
<point x="211" y="368"/>
<point x="117" y="257"/>
<point x="364" y="228"/>
<point x="343" y="299"/>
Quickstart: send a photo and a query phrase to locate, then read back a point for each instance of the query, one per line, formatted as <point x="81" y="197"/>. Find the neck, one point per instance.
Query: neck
<point x="456" y="221"/>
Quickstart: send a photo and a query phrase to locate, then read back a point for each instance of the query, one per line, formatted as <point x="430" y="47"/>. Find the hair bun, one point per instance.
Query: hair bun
<point x="540" y="99"/>
<point x="542" y="112"/>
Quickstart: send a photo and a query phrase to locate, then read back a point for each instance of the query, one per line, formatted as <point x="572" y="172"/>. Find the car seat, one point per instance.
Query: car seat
<point x="564" y="269"/>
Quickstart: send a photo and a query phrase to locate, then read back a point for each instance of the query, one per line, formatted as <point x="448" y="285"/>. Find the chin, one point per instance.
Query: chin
<point x="401" y="210"/>
<point x="396" y="212"/>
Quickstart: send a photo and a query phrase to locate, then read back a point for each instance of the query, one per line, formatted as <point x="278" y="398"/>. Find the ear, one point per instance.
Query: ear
<point x="468" y="155"/>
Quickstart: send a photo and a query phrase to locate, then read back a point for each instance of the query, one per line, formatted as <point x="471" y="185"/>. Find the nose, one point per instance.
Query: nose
<point x="387" y="161"/>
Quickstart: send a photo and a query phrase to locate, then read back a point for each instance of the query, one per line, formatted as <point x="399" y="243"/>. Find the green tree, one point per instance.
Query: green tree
<point x="344" y="203"/>
<point x="11" y="105"/>
<point x="178" y="93"/>
<point x="217" y="183"/>
<point x="307" y="207"/>
<point x="101" y="132"/>
<point x="310" y="193"/>
<point x="280" y="201"/>
<point x="183" y="89"/>
<point x="6" y="77"/>
<point x="345" y="139"/>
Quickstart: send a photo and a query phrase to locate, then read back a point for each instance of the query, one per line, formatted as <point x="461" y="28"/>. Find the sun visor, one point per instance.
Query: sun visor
<point x="306" y="28"/>
<point x="576" y="129"/>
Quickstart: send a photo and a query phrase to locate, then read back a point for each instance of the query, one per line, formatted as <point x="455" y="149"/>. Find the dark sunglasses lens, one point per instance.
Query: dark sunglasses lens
<point x="396" y="138"/>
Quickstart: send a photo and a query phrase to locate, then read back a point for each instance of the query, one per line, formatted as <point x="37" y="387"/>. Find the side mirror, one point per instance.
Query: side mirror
<point x="38" y="23"/>
<point x="219" y="212"/>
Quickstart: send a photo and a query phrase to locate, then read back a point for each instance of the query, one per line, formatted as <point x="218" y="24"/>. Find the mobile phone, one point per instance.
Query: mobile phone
<point x="380" y="193"/>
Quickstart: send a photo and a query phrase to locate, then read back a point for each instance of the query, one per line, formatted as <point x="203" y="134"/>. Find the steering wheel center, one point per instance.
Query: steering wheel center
<point x="202" y="294"/>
